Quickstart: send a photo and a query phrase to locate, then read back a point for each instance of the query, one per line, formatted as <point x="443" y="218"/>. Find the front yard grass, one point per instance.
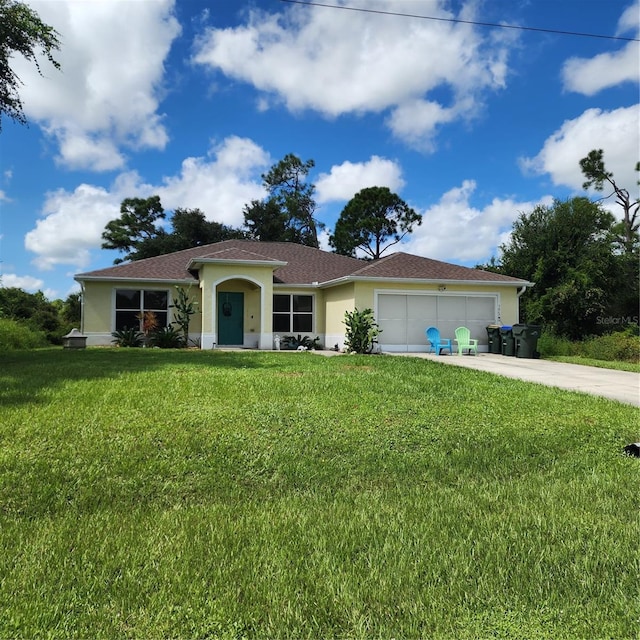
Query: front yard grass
<point x="159" y="494"/>
<point x="603" y="364"/>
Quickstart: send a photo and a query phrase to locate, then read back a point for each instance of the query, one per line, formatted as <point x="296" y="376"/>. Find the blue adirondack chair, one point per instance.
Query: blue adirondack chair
<point x="465" y="341"/>
<point x="436" y="343"/>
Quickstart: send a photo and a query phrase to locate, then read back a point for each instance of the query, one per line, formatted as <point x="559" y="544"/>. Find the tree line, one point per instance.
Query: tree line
<point x="52" y="319"/>
<point x="373" y="221"/>
<point x="584" y="262"/>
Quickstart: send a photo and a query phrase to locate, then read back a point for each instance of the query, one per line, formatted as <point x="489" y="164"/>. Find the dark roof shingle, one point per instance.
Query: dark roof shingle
<point x="305" y="265"/>
<point x="406" y="265"/>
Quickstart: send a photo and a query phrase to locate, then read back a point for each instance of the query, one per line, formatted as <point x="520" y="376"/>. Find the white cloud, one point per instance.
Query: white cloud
<point x="591" y="75"/>
<point x="628" y="22"/>
<point x="453" y="230"/>
<point x="28" y="283"/>
<point x="71" y="226"/>
<point x="341" y="62"/>
<point x="615" y="132"/>
<point x="4" y="197"/>
<point x="107" y="94"/>
<point x="345" y="180"/>
<point x="79" y="150"/>
<point x="220" y="185"/>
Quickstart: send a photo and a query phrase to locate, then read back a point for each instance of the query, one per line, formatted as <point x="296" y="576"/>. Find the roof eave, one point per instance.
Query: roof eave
<point x="297" y="285"/>
<point x="493" y="283"/>
<point x="81" y="278"/>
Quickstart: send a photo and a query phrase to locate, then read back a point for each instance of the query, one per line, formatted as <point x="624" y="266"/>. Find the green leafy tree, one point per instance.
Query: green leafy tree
<point x="373" y="220"/>
<point x="568" y="250"/>
<point x="136" y="232"/>
<point x="597" y="176"/>
<point x="265" y="221"/>
<point x="190" y="229"/>
<point x="626" y="230"/>
<point x="71" y="309"/>
<point x="287" y="214"/>
<point x="137" y="223"/>
<point x="22" y="32"/>
<point x="32" y="310"/>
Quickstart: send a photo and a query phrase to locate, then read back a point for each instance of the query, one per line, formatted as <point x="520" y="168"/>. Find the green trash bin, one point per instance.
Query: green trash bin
<point x="507" y="340"/>
<point x="526" y="340"/>
<point x="495" y="343"/>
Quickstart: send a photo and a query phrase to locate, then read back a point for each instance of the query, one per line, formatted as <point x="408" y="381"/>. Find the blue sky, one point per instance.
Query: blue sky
<point x="193" y="100"/>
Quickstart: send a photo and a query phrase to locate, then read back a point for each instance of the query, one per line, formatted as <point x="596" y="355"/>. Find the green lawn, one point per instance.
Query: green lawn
<point x="156" y="494"/>
<point x="603" y="364"/>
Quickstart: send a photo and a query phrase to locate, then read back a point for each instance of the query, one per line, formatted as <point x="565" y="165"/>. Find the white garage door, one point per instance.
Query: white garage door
<point x="404" y="318"/>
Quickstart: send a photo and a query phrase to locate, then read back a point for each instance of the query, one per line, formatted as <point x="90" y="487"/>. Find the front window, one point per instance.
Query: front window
<point x="292" y="313"/>
<point x="131" y="304"/>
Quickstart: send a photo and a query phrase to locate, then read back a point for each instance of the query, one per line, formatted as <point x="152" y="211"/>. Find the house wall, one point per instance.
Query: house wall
<point x="98" y="309"/>
<point x="338" y="300"/>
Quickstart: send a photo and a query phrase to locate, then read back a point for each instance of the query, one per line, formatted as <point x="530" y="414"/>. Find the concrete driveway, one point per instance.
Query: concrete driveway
<point x="623" y="386"/>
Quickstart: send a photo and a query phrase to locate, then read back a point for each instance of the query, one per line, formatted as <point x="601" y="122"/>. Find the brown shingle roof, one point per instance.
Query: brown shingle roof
<point x="305" y="265"/>
<point x="406" y="265"/>
<point x="235" y="254"/>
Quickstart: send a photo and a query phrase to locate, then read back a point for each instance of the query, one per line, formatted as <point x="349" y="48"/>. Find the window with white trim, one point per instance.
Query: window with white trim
<point x="131" y="304"/>
<point x="292" y="313"/>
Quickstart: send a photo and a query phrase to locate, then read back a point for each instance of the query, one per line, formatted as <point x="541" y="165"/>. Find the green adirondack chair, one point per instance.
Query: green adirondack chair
<point x="465" y="341"/>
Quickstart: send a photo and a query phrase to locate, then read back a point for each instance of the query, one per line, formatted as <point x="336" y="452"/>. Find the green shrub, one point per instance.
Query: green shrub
<point x="17" y="335"/>
<point x="128" y="338"/>
<point x="632" y="329"/>
<point x="167" y="338"/>
<point x="293" y="342"/>
<point x="621" y="346"/>
<point x="618" y="346"/>
<point x="551" y="345"/>
<point x="185" y="308"/>
<point x="362" y="331"/>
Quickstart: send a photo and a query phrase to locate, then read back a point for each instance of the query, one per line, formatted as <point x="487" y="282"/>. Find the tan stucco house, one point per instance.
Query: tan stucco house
<point x="249" y="292"/>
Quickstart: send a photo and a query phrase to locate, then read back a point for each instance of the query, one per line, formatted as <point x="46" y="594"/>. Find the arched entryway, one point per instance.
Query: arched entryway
<point x="238" y="312"/>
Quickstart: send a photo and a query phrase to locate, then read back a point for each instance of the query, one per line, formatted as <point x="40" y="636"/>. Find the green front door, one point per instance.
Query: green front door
<point x="230" y="318"/>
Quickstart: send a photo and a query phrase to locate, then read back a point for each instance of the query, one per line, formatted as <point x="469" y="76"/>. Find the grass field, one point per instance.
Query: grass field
<point x="159" y="494"/>
<point x="603" y="364"/>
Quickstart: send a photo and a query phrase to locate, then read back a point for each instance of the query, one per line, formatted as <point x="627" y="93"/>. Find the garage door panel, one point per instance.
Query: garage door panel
<point x="451" y="308"/>
<point x="392" y="307"/>
<point x="448" y="329"/>
<point x="480" y="313"/>
<point x="394" y="332"/>
<point x="422" y="312"/>
<point x="421" y="307"/>
<point x="416" y="331"/>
